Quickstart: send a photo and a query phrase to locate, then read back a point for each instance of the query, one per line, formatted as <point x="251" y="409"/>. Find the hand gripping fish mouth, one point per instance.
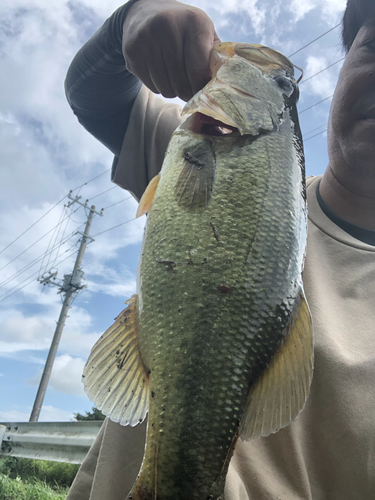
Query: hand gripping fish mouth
<point x="228" y="104"/>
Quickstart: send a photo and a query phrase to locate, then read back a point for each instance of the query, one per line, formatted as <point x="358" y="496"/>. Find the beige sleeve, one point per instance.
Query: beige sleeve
<point x="112" y="464"/>
<point x="152" y="122"/>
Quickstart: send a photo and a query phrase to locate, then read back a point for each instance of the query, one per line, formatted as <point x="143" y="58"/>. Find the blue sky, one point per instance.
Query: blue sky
<point x="45" y="153"/>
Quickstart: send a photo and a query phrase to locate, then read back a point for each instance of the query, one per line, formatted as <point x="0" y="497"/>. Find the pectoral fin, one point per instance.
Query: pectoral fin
<point x="115" y="377"/>
<point x="194" y="186"/>
<point x="148" y="196"/>
<point x="281" y="392"/>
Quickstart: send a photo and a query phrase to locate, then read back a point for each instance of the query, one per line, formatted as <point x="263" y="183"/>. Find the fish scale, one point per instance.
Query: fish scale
<point x="219" y="335"/>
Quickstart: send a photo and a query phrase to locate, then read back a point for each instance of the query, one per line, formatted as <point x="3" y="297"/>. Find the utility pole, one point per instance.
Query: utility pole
<point x="70" y="285"/>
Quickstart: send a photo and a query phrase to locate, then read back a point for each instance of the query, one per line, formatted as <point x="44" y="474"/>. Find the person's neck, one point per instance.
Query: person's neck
<point x="350" y="205"/>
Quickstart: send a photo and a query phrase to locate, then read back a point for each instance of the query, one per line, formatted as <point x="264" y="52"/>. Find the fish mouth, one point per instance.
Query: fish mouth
<point x="226" y="105"/>
<point x="200" y="123"/>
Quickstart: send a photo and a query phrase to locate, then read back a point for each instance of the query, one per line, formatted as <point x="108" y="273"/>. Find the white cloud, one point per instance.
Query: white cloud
<point x="267" y="18"/>
<point x="14" y="416"/>
<point x="114" y="282"/>
<point x="9" y="348"/>
<point x="325" y="84"/>
<point x="47" y="414"/>
<point x="115" y="289"/>
<point x="107" y="245"/>
<point x="39" y="44"/>
<point x="65" y="376"/>
<point x="333" y="9"/>
<point x="300" y="8"/>
<point x="28" y="333"/>
<point x="34" y="331"/>
<point x="101" y="9"/>
<point x="251" y="12"/>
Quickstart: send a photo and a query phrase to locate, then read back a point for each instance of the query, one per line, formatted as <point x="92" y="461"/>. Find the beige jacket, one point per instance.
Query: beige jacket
<point x="328" y="453"/>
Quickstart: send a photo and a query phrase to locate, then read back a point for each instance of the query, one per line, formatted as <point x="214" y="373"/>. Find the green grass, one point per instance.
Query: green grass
<point x="19" y="489"/>
<point x="26" y="479"/>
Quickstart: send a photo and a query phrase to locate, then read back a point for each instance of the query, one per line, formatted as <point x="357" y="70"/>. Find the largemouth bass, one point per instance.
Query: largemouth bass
<point x="217" y="344"/>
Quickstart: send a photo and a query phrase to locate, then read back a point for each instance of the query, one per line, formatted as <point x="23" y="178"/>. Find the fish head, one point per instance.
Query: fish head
<point x="252" y="86"/>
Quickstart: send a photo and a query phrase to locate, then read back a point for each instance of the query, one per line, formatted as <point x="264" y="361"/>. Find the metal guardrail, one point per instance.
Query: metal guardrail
<point x="57" y="441"/>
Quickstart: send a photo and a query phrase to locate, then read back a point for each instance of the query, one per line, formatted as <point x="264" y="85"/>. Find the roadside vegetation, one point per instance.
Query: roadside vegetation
<point x="27" y="479"/>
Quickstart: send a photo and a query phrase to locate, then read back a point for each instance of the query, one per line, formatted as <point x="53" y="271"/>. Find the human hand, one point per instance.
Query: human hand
<point x="167" y="44"/>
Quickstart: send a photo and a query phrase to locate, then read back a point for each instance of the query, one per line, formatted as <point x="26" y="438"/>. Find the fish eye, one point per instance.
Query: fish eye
<point x="284" y="83"/>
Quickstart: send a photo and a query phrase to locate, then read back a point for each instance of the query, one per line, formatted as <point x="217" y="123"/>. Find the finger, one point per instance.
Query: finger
<point x="197" y="56"/>
<point x="175" y="66"/>
<point x="160" y="76"/>
<point x="142" y="72"/>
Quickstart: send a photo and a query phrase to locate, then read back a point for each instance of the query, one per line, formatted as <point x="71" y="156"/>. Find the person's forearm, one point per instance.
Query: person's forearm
<point x="98" y="86"/>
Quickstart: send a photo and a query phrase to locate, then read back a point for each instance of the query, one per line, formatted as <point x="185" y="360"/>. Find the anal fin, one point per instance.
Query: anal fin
<point x="115" y="377"/>
<point x="280" y="394"/>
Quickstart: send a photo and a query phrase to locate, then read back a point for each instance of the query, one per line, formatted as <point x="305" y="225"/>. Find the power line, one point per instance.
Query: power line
<point x="96" y="196"/>
<point x="28" y="248"/>
<point x="306" y="109"/>
<point x="312" y="137"/>
<point x="313" y="130"/>
<point x="88" y="182"/>
<point x="15" y="286"/>
<point x="2" y="297"/>
<point x="54" y="237"/>
<point x="117" y="202"/>
<point x="114" y="227"/>
<point x="321" y="71"/>
<point x="37" y="259"/>
<point x="32" y="225"/>
<point x="62" y="238"/>
<point x="315" y="39"/>
<point x="55" y="227"/>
